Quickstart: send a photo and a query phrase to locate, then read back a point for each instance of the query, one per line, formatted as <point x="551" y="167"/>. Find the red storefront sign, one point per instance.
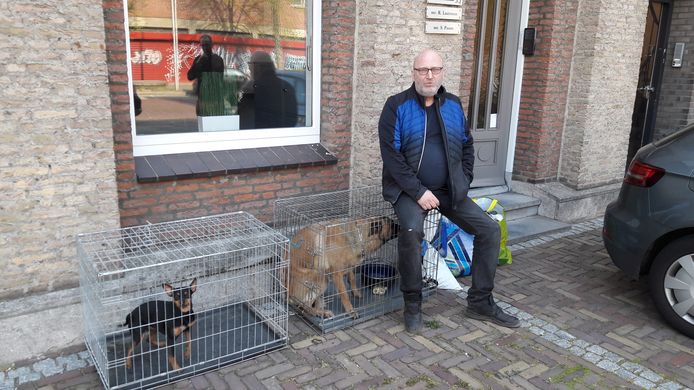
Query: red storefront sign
<point x="152" y="53"/>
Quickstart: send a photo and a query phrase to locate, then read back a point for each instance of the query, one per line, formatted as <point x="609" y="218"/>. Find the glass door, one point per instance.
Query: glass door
<point x="498" y="24"/>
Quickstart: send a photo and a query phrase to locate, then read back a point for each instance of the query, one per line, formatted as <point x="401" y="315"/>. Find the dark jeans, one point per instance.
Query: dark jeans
<point x="467" y="216"/>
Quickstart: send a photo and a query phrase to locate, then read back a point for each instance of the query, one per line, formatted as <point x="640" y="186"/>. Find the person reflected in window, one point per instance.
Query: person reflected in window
<point x="208" y="72"/>
<point x="266" y="100"/>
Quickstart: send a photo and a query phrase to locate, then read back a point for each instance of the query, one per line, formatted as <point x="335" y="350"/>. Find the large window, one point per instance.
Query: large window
<point x="222" y="74"/>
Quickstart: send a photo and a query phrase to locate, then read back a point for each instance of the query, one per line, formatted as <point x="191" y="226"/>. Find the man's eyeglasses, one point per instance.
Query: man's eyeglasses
<point x="424" y="71"/>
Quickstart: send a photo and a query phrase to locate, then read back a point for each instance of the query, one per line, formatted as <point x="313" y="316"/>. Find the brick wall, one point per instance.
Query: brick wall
<point x="156" y="202"/>
<point x="56" y="149"/>
<point x="389" y="34"/>
<point x="544" y="90"/>
<point x="676" y="106"/>
<point x="604" y="76"/>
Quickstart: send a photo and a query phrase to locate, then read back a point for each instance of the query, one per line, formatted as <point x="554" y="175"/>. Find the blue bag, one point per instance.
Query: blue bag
<point x="455" y="246"/>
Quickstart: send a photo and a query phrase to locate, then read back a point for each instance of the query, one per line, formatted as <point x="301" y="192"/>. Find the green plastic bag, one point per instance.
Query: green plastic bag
<point x="496" y="212"/>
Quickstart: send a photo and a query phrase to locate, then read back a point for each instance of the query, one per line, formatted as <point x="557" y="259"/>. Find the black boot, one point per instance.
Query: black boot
<point x="413" y="312"/>
<point x="413" y="317"/>
<point x="493" y="313"/>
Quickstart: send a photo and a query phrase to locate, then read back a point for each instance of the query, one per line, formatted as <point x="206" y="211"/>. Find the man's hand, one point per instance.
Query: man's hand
<point x="428" y="201"/>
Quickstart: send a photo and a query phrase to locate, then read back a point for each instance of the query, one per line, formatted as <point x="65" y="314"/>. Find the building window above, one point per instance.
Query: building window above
<point x="222" y="74"/>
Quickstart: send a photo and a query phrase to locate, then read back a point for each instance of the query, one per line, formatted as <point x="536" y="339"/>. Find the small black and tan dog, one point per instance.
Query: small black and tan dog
<point x="170" y="318"/>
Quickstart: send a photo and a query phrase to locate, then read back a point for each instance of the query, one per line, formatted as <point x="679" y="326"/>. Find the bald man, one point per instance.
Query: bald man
<point x="428" y="157"/>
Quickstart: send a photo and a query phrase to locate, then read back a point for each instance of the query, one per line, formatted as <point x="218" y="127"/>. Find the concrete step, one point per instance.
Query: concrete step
<point x="517" y="206"/>
<point x="487" y="191"/>
<point x="521" y="214"/>
<point x="527" y="228"/>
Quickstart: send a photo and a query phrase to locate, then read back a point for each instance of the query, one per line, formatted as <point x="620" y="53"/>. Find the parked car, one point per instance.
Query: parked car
<point x="235" y="78"/>
<point x="649" y="229"/>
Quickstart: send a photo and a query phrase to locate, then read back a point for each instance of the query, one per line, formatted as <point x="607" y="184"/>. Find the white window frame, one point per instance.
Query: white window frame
<point x="148" y="145"/>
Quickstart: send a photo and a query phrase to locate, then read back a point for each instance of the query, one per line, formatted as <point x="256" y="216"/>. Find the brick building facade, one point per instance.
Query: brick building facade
<point x="67" y="163"/>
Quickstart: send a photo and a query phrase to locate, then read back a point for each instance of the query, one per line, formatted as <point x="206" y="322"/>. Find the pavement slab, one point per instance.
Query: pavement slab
<point x="584" y="326"/>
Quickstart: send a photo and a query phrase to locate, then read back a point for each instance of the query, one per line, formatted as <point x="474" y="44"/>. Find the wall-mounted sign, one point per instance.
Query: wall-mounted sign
<point x="442" y="28"/>
<point x="449" y="13"/>
<point x="446" y="2"/>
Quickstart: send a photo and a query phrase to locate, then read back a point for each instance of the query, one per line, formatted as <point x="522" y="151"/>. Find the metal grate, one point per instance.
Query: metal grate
<point x="239" y="269"/>
<point x="343" y="256"/>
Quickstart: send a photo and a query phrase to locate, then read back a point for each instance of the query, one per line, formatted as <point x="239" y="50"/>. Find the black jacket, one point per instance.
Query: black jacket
<point x="402" y="135"/>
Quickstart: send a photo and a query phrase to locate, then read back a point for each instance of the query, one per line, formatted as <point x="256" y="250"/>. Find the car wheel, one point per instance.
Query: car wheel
<point x="672" y="284"/>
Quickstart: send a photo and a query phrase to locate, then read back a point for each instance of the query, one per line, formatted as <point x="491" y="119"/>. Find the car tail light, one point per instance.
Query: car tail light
<point x="643" y="175"/>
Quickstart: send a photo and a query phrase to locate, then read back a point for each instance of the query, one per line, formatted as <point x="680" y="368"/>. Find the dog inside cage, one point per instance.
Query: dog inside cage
<point x="186" y="297"/>
<point x="344" y="243"/>
<point x="172" y="319"/>
<point x="343" y="256"/>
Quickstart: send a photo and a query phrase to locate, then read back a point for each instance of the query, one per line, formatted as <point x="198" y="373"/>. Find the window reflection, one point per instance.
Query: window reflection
<point x="193" y="64"/>
<point x="484" y="76"/>
<point x="491" y="22"/>
<point x="499" y="57"/>
<point x="267" y="101"/>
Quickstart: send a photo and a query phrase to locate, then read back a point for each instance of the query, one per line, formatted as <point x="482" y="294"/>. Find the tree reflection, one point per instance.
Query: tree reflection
<point x="181" y="79"/>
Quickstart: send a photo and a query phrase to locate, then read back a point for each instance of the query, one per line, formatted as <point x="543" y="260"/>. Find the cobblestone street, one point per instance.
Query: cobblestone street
<point x="585" y="325"/>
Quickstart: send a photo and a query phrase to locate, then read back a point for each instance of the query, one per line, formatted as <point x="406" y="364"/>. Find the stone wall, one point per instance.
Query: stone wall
<point x="389" y="35"/>
<point x="604" y="76"/>
<point x="676" y="105"/>
<point x="57" y="175"/>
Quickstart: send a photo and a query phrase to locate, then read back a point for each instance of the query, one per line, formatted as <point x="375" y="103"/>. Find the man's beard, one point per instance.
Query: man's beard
<point x="429" y="92"/>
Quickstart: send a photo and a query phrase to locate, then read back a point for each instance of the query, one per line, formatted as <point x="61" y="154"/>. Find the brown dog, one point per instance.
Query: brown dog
<point x="333" y="247"/>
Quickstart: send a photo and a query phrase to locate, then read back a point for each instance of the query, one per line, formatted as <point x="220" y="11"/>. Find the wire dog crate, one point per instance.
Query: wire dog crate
<point x="167" y="301"/>
<point x="343" y="257"/>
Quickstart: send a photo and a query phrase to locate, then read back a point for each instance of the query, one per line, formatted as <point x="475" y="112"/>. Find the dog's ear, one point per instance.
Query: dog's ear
<point x="193" y="285"/>
<point x="376" y="227"/>
<point x="169" y="289"/>
<point x="394" y="228"/>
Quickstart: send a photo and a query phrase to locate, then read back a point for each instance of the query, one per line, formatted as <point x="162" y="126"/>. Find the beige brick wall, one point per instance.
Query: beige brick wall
<point x="389" y="34"/>
<point x="604" y="74"/>
<point x="57" y="174"/>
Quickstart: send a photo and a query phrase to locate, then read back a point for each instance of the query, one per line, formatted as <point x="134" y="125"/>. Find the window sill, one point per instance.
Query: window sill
<point x="169" y="167"/>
